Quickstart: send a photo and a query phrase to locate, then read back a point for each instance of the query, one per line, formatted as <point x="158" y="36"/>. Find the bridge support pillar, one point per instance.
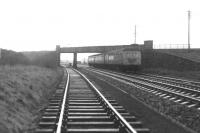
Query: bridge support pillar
<point x="58" y="55"/>
<point x="75" y="61"/>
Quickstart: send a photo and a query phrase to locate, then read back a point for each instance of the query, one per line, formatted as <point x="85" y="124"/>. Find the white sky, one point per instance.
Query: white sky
<point x="28" y="25"/>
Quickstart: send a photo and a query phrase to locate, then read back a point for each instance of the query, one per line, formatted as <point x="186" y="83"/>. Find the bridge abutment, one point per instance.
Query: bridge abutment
<point x="75" y="60"/>
<point x="58" y="55"/>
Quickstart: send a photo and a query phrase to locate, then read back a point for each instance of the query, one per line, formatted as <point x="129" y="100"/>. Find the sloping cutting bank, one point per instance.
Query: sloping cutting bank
<point x="24" y="91"/>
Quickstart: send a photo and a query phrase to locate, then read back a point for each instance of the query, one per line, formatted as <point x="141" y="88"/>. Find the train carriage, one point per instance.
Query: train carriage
<point x="121" y="59"/>
<point x="131" y="57"/>
<point x="114" y="58"/>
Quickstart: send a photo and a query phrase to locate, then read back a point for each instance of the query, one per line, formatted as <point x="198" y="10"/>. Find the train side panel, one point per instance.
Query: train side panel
<point x="123" y="59"/>
<point x="131" y="58"/>
<point x="96" y="60"/>
<point x="99" y="59"/>
<point x="114" y="59"/>
<point x="90" y="59"/>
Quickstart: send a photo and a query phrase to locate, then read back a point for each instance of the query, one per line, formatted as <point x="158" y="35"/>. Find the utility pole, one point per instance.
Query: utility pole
<point x="189" y="15"/>
<point x="135" y="34"/>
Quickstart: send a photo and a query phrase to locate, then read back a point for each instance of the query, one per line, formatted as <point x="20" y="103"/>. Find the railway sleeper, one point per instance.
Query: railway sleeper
<point x="84" y="111"/>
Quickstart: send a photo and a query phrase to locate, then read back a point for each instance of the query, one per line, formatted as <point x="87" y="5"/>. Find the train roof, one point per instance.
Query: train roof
<point x="94" y="55"/>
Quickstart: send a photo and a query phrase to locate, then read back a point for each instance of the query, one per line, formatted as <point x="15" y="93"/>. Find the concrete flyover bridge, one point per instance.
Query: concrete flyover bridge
<point x="98" y="49"/>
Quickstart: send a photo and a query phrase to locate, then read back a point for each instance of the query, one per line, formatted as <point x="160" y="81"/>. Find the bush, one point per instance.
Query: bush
<point x="46" y="60"/>
<point x="40" y="58"/>
<point x="12" y="58"/>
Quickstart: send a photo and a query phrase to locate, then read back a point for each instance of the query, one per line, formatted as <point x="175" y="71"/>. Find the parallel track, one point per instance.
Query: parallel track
<point x="183" y="82"/>
<point x="85" y="110"/>
<point x="167" y="90"/>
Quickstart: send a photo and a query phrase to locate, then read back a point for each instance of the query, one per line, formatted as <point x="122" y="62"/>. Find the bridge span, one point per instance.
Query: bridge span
<point x="98" y="49"/>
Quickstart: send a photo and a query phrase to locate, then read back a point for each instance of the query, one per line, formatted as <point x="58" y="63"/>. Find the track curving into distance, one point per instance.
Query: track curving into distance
<point x="79" y="107"/>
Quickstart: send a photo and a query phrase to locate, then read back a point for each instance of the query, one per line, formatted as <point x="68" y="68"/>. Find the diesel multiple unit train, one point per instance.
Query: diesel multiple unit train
<point x="121" y="59"/>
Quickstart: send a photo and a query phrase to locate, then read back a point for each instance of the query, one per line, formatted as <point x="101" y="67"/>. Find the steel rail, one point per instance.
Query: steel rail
<point x="59" y="124"/>
<point x="160" y="83"/>
<point x="171" y="81"/>
<point x="148" y="85"/>
<point x="125" y="123"/>
<point x="195" y="83"/>
<point x="163" y="84"/>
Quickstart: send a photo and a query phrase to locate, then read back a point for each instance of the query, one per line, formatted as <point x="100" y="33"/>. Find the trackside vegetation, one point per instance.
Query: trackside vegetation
<point x="25" y="85"/>
<point x="41" y="58"/>
<point x="24" y="92"/>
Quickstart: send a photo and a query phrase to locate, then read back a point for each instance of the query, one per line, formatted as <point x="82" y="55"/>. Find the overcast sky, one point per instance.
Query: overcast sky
<point x="28" y="25"/>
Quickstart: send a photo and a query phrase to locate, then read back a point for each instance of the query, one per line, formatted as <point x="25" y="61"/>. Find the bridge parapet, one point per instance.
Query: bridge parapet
<point x="91" y="49"/>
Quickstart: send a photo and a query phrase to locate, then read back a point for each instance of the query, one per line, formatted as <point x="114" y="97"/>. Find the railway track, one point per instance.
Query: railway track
<point x="168" y="90"/>
<point x="174" y="81"/>
<point x="79" y="107"/>
<point x="183" y="82"/>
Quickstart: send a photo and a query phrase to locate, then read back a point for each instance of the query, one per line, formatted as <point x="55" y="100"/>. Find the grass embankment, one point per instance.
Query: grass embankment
<point x="24" y="90"/>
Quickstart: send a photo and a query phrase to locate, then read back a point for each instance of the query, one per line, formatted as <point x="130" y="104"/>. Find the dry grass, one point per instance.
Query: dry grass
<point x="22" y="90"/>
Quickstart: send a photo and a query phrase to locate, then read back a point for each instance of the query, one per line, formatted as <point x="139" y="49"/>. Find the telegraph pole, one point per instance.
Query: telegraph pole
<point x="189" y="15"/>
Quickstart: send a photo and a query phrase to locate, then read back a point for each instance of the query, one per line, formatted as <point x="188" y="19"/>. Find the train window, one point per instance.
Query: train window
<point x="110" y="57"/>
